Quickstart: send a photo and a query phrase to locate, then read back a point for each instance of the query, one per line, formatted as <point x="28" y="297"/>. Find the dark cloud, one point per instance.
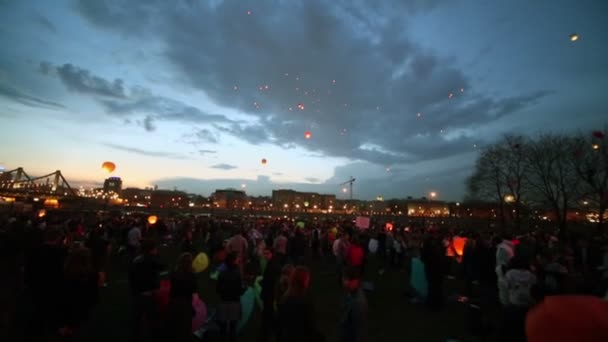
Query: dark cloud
<point x="44" y="22"/>
<point x="82" y="81"/>
<point x="161" y="108"/>
<point x="21" y="97"/>
<point x="143" y="152"/>
<point x="206" y="135"/>
<point x="140" y="101"/>
<point x="351" y="64"/>
<point x="223" y="167"/>
<point x="148" y="124"/>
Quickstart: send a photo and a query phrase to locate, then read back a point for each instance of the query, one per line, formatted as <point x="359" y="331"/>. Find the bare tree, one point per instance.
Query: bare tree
<point x="591" y="164"/>
<point x="553" y="179"/>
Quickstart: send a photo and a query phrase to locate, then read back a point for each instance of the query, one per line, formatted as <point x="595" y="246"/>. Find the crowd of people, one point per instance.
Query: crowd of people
<point x="58" y="263"/>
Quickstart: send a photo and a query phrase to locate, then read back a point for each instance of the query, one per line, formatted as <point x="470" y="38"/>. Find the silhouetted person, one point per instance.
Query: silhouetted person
<point x="44" y="281"/>
<point x="296" y="317"/>
<point x="144" y="278"/>
<point x="229" y="289"/>
<point x="80" y="291"/>
<point x="183" y="286"/>
<point x="353" y="323"/>
<point x="270" y="283"/>
<point x="433" y="258"/>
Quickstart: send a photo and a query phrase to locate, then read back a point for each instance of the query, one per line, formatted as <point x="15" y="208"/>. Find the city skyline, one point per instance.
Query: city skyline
<point x="213" y="95"/>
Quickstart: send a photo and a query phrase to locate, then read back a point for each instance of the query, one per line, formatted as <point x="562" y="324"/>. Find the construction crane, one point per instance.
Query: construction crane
<point x="350" y="183"/>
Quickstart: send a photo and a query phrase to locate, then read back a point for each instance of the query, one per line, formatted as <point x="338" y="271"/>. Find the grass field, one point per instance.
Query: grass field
<point x="391" y="316"/>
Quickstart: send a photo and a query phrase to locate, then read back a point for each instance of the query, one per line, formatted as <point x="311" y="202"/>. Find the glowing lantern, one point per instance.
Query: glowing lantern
<point x="41" y="213"/>
<point x="307" y="134"/>
<point x="300" y="106"/>
<point x="389" y="226"/>
<point x="458" y="245"/>
<point x="574" y="37"/>
<point x="264" y="161"/>
<point x="200" y="263"/>
<point x="595" y="146"/>
<point x="509" y="198"/>
<point x="152" y="219"/>
<point x="108" y="167"/>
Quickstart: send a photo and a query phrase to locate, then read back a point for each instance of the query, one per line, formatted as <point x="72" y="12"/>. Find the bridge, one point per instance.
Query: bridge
<point x="18" y="183"/>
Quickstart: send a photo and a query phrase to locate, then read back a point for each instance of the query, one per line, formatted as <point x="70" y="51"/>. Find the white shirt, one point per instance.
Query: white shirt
<point x="134" y="237"/>
<point x="504" y="252"/>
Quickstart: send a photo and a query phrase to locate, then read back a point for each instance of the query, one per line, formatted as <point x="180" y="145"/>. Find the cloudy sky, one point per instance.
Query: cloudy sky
<point x="194" y="94"/>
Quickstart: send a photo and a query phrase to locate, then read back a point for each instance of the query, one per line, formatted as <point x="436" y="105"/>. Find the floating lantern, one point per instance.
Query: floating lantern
<point x="264" y="161"/>
<point x="152" y="219"/>
<point x="307" y="134"/>
<point x="574" y="37"/>
<point x="108" y="166"/>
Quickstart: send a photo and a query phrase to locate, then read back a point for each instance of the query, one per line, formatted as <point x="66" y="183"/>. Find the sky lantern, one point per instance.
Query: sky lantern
<point x="152" y="219"/>
<point x="300" y="106"/>
<point x="108" y="166"/>
<point x="307" y="134"/>
<point x="458" y="244"/>
<point x="264" y="161"/>
<point x="574" y="37"/>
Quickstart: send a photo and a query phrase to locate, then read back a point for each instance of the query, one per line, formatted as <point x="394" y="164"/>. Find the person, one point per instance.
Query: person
<point x="188" y="243"/>
<point x="238" y="244"/>
<point x="353" y="324"/>
<point x="79" y="291"/>
<point x="341" y="254"/>
<point x="296" y="319"/>
<point x="504" y="251"/>
<point x="183" y="286"/>
<point x="433" y="258"/>
<point x="229" y="289"/>
<point x="355" y="255"/>
<point x="316" y="242"/>
<point x="144" y="280"/>
<point x="99" y="247"/>
<point x="286" y="272"/>
<point x="44" y="281"/>
<point x="279" y="246"/>
<point x="270" y="281"/>
<point x="133" y="242"/>
<point x="520" y="282"/>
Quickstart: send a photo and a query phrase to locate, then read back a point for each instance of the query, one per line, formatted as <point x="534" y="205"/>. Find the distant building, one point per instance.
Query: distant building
<point x="134" y="197"/>
<point x="291" y="200"/>
<point x="112" y="184"/>
<point x="169" y="199"/>
<point x="230" y="199"/>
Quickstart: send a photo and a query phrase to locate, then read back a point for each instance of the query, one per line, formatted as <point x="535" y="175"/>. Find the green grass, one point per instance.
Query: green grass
<point x="391" y="316"/>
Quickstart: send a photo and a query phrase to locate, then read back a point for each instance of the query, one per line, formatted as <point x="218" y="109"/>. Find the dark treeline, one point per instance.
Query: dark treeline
<point x="560" y="172"/>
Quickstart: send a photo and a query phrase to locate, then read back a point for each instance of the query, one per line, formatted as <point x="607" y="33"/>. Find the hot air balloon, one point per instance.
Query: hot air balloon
<point x="108" y="166"/>
<point x="264" y="161"/>
<point x="152" y="219"/>
<point x="307" y="134"/>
